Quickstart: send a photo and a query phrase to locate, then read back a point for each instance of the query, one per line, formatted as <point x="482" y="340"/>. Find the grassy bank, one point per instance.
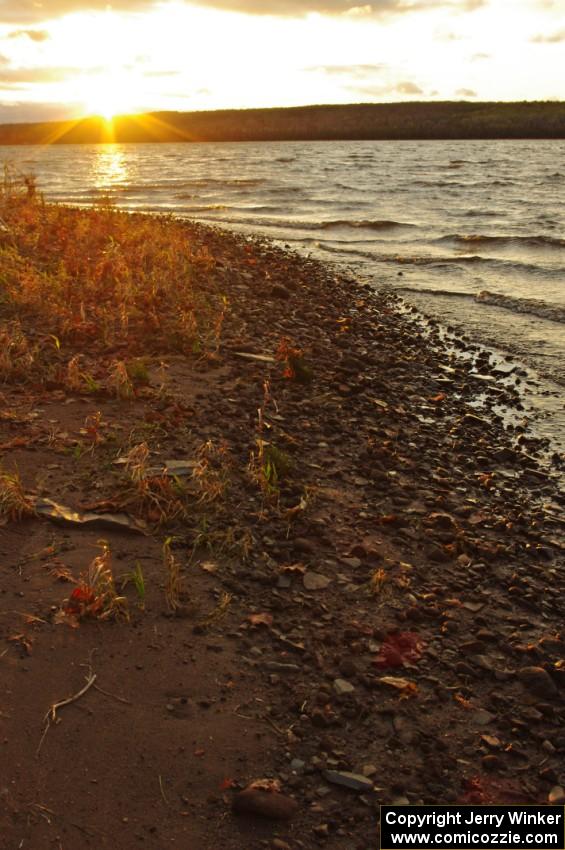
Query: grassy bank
<point x="258" y="530"/>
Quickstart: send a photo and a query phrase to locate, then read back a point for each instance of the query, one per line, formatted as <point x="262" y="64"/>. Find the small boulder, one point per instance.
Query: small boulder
<point x="267" y="804"/>
<point x="538" y="681"/>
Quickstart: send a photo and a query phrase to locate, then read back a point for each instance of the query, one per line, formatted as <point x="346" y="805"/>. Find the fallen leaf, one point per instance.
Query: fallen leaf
<point x="407" y="688"/>
<point x="462" y="701"/>
<point x="261" y="619"/>
<point x="398" y="649"/>
<point x="293" y="568"/>
<point x="272" y="785"/>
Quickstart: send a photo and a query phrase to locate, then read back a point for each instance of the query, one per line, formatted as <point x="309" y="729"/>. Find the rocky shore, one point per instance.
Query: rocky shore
<point x="369" y="563"/>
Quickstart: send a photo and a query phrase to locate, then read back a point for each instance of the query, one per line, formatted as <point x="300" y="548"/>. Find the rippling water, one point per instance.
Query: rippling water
<point x="473" y="231"/>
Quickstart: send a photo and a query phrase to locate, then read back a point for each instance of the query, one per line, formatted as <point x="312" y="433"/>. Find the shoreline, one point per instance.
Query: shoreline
<point x="399" y="574"/>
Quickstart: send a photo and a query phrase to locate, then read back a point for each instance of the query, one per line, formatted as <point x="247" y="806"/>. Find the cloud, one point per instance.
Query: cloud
<point x="549" y="38"/>
<point x="14" y="113"/>
<point x="33" y="11"/>
<point x="358" y="72"/>
<point x="407" y="87"/>
<point x="466" y="93"/>
<point x="17" y="77"/>
<point x="299" y="8"/>
<point x="30" y="11"/>
<point x="34" y="35"/>
<point x="387" y="90"/>
<point x="478" y="57"/>
<point x="161" y="73"/>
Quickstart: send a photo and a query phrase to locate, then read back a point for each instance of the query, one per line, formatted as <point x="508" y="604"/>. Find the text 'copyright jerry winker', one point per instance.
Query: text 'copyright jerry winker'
<point x="476" y="827"/>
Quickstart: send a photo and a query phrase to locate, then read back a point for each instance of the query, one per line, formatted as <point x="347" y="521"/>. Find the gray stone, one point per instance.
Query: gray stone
<point x="342" y="686"/>
<point x="315" y="581"/>
<point x="353" y="781"/>
<point x="280" y="667"/>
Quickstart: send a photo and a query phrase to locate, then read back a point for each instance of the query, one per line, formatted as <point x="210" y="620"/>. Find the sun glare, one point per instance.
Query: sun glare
<point x="108" y="95"/>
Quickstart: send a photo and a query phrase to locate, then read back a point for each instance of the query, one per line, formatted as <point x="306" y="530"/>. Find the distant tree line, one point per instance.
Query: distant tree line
<point x="444" y="120"/>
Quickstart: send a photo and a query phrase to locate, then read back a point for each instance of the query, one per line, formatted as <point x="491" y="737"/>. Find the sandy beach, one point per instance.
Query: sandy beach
<point x="335" y="557"/>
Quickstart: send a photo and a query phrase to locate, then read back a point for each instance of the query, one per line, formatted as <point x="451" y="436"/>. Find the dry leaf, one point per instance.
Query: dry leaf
<point x="407" y="688"/>
<point x="293" y="568"/>
<point x="261" y="619"/>
<point x="272" y="785"/>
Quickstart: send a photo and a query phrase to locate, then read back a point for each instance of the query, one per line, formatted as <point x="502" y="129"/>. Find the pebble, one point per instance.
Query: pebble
<point x="315" y="581"/>
<point x="557" y="795"/>
<point x="342" y="686"/>
<point x="368" y="770"/>
<point x="353" y="781"/>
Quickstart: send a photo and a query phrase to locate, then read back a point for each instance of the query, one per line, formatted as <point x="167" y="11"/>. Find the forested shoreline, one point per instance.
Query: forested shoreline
<point x="394" y="121"/>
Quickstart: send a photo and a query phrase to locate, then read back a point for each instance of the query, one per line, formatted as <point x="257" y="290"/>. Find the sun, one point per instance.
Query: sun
<point x="108" y="94"/>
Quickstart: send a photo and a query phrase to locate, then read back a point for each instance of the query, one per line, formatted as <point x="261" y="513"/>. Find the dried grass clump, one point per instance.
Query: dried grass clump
<point x="14" y="504"/>
<point x="102" y="280"/>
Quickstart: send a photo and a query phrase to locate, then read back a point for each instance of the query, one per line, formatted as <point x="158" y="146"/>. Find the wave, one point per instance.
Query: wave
<point x="530" y="306"/>
<point x="330" y="224"/>
<point x="480" y="239"/>
<point x="453" y="261"/>
<point x="368" y="224"/>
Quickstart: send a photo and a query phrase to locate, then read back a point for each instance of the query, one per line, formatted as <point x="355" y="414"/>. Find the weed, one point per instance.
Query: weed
<point x="277" y="462"/>
<point x="173" y="580"/>
<point x="120" y="381"/>
<point x="137" y="372"/>
<point x="14" y="504"/>
<point x="296" y="367"/>
<point x="157" y="498"/>
<point x="77" y="380"/>
<point x="137" y="578"/>
<point x="378" y="581"/>
<point x="212" y="472"/>
<point x="95" y="593"/>
<point x="219" y="612"/>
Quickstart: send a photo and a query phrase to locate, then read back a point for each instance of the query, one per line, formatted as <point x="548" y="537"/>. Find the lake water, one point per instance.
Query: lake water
<point x="470" y="231"/>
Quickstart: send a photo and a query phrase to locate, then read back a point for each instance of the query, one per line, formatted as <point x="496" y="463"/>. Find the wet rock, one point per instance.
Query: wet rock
<point x="353" y="781"/>
<point x="538" y="682"/>
<point x="268" y="804"/>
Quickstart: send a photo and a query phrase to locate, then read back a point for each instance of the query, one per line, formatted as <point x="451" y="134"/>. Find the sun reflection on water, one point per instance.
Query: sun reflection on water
<point x="109" y="167"/>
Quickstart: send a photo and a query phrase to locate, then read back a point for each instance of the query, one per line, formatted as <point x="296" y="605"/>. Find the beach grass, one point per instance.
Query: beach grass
<point x="78" y="283"/>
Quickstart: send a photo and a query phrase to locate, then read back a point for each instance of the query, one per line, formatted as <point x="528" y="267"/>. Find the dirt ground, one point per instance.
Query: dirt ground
<point x="389" y="605"/>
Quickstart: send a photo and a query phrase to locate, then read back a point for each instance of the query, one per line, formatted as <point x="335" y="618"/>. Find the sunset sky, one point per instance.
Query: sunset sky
<point x="64" y="58"/>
